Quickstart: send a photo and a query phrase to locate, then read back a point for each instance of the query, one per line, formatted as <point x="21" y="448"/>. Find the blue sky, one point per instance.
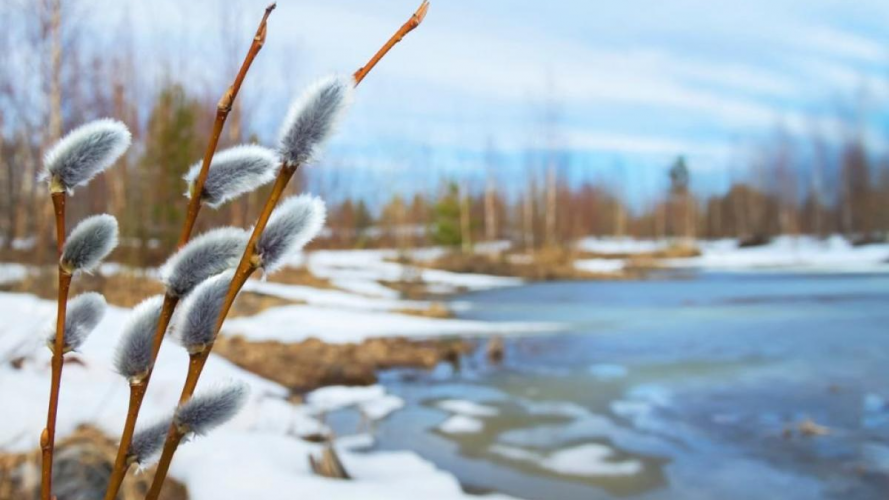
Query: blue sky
<point x="632" y="83"/>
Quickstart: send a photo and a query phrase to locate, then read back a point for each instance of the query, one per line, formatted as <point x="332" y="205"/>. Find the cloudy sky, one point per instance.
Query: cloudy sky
<point x="635" y="82"/>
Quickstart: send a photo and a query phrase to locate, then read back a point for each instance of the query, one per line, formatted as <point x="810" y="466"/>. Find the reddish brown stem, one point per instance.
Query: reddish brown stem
<point x="406" y="28"/>
<point x="197" y="360"/>
<point x="163" y="466"/>
<point x="223" y="108"/>
<point x="248" y="265"/>
<point x="121" y="463"/>
<point x="48" y="436"/>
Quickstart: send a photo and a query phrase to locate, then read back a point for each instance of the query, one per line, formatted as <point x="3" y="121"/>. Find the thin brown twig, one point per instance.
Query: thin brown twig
<point x="406" y="28"/>
<point x="137" y="390"/>
<point x="248" y="266"/>
<point x="48" y="436"/>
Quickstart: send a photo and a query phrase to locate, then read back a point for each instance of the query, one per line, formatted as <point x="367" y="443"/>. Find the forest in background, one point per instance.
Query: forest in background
<point x="820" y="184"/>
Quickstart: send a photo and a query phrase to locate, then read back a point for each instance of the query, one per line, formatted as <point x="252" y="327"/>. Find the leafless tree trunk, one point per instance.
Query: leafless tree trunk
<point x="465" y="219"/>
<point x="490" y="211"/>
<point x="551" y="203"/>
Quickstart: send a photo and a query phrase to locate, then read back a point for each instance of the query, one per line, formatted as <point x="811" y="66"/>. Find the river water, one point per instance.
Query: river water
<point x="704" y="386"/>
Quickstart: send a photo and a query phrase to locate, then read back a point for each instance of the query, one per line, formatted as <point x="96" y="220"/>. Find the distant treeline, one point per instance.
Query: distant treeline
<point x="837" y="189"/>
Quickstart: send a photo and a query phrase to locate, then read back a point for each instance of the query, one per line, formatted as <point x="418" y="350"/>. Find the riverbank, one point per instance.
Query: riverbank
<point x="339" y="317"/>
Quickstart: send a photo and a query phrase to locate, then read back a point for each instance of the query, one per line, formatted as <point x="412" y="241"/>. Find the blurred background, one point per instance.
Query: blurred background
<point x="643" y="244"/>
<point x="550" y="123"/>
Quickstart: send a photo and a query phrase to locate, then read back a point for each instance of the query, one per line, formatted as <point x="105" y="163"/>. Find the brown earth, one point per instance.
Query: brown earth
<point x="310" y="364"/>
<point x="83" y="463"/>
<point x="542" y="265"/>
<point x="123" y="289"/>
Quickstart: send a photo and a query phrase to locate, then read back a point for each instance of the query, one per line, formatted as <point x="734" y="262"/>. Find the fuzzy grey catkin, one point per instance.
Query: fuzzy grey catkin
<point x="90" y="242"/>
<point x="134" y="351"/>
<point x="233" y="172"/>
<point x="85" y="152"/>
<point x="313" y="117"/>
<point x="292" y="225"/>
<point x="196" y="326"/>
<point x="206" y="411"/>
<point x="210" y="253"/>
<point x="148" y="441"/>
<point x="84" y="312"/>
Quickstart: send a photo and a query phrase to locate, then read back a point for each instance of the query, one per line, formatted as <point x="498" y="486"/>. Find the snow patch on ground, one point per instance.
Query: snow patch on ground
<point x="461" y="424"/>
<point x="11" y="272"/>
<point x="297" y="323"/>
<point x="600" y="266"/>
<point x="621" y="246"/>
<point x="466" y="416"/>
<point x="364" y="287"/>
<point x="372" y="401"/>
<point x="363" y="268"/>
<point x="330" y="298"/>
<point x="802" y="253"/>
<point x="256" y="455"/>
<point x="467" y="408"/>
<point x="591" y="459"/>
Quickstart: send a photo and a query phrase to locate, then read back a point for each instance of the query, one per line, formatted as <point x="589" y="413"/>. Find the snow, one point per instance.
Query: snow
<point x="467" y="408"/>
<point x="600" y="266"/>
<point x="330" y="298"/>
<point x="466" y="416"/>
<point x="786" y="253"/>
<point x="621" y="246"/>
<point x="363" y="268"/>
<point x="591" y="459"/>
<point x="802" y="253"/>
<point x="363" y="287"/>
<point x="11" y="272"/>
<point x="515" y="453"/>
<point x="297" y="323"/>
<point x="372" y="401"/>
<point x="269" y="466"/>
<point x="461" y="424"/>
<point x="256" y="455"/>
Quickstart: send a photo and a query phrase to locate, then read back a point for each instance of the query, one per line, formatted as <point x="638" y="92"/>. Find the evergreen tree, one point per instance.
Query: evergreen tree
<point x="172" y="144"/>
<point x="446" y="218"/>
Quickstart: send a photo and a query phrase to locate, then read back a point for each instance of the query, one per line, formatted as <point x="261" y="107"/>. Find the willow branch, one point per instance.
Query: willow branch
<point x="248" y="265"/>
<point x="406" y="28"/>
<point x="222" y="109"/>
<point x="48" y="436"/>
<point x="137" y="391"/>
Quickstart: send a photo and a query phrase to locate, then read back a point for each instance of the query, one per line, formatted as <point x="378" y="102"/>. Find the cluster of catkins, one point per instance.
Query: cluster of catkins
<point x="201" y="271"/>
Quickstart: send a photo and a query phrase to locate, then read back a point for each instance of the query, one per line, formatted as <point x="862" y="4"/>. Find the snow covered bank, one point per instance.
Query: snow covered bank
<point x="803" y="253"/>
<point x="600" y="266"/>
<point x="297" y="323"/>
<point x="363" y="270"/>
<point x="331" y="298"/>
<point x="621" y="246"/>
<point x="256" y="455"/>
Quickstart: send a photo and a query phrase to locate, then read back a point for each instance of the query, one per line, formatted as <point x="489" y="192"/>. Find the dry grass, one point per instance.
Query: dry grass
<point x="250" y="304"/>
<point x="436" y="310"/>
<point x="542" y="265"/>
<point x="301" y="276"/>
<point x="123" y="289"/>
<point x="304" y="366"/>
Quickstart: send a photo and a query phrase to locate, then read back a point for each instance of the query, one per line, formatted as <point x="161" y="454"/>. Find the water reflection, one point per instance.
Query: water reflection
<point x="718" y="387"/>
